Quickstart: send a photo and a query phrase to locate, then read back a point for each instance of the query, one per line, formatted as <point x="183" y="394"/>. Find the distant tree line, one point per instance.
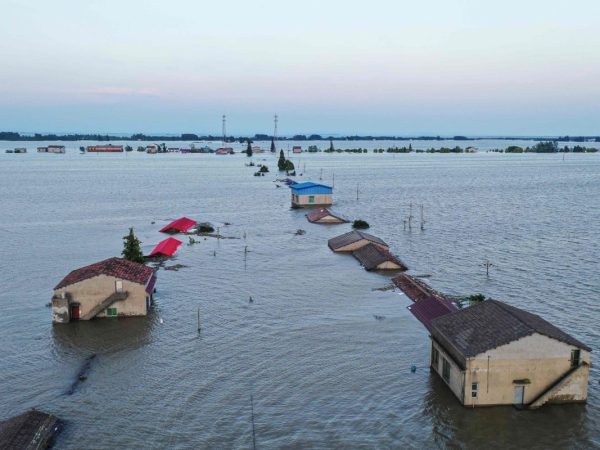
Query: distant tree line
<point x="14" y="136"/>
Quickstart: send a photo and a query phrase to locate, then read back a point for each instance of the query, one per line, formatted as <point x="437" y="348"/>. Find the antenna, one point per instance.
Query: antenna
<point x="275" y="120"/>
<point x="224" y="129"/>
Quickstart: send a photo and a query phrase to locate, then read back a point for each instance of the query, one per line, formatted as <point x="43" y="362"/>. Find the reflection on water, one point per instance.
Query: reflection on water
<point x="323" y="371"/>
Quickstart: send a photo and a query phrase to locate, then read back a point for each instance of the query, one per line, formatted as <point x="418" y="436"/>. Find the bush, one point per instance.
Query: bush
<point x="359" y="224"/>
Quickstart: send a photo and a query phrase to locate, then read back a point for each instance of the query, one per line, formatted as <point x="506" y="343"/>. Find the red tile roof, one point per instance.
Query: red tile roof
<point x="429" y="308"/>
<point x="182" y="225"/>
<point x="168" y="247"/>
<point x="113" y="267"/>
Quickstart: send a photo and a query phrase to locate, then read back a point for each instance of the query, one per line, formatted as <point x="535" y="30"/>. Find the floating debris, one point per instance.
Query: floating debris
<point x="378" y="317"/>
<point x="175" y="267"/>
<point x="250" y="300"/>
<point x="389" y="287"/>
<point x="299" y="232"/>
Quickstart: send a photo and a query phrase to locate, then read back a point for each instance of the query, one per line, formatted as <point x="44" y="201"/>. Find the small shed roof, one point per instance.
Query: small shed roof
<point x="182" y="225"/>
<point x="371" y="256"/>
<point x="113" y="267"/>
<point x="429" y="308"/>
<point x="352" y="237"/>
<point x="167" y="247"/>
<point x="320" y="213"/>
<point x="490" y="324"/>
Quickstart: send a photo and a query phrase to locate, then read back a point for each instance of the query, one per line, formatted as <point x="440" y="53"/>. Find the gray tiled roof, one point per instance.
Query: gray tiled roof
<point x="491" y="324"/>
<point x="371" y="255"/>
<point x="351" y="237"/>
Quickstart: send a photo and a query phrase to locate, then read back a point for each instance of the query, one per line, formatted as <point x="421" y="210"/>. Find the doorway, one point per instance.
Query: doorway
<point x="519" y="395"/>
<point x="75" y="311"/>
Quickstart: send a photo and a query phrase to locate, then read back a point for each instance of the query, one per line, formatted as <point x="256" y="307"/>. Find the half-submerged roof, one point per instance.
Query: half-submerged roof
<point x="181" y="225"/>
<point x="429" y="308"/>
<point x="167" y="247"/>
<point x="351" y="237"/>
<point x="491" y="324"/>
<point x="371" y="256"/>
<point x="416" y="289"/>
<point x="320" y="213"/>
<point x="113" y="267"/>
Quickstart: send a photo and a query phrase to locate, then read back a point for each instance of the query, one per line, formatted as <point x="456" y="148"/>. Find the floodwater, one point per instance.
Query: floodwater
<point x="322" y="371"/>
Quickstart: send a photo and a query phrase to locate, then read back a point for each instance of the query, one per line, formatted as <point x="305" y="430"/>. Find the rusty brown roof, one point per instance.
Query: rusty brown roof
<point x="490" y="324"/>
<point x="352" y="237"/>
<point x="416" y="289"/>
<point x="114" y="267"/>
<point x="371" y="255"/>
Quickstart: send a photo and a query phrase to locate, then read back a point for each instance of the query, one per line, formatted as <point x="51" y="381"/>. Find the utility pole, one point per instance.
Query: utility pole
<point x="224" y="129"/>
<point x="422" y="219"/>
<point x="356" y="191"/>
<point x="410" y="217"/>
<point x="199" y="327"/>
<point x="487" y="264"/>
<point x="275" y="120"/>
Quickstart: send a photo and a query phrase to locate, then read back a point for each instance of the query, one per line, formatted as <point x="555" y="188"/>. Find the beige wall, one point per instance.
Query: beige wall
<point x="540" y="359"/>
<point x="457" y="376"/>
<point x="388" y="265"/>
<point x="329" y="219"/>
<point x="320" y="199"/>
<point x="88" y="293"/>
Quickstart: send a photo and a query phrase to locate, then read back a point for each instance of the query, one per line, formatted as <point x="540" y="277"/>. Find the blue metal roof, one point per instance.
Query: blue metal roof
<point x="309" y="184"/>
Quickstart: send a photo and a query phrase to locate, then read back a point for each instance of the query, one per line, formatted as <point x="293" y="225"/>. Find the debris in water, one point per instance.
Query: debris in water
<point x="250" y="300"/>
<point x="389" y="287"/>
<point x="378" y="317"/>
<point x="175" y="267"/>
<point x="299" y="232"/>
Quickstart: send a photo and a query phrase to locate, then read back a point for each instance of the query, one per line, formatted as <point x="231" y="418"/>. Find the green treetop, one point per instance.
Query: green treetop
<point x="132" y="248"/>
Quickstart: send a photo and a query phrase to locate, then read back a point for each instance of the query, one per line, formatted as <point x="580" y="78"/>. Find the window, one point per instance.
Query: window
<point x="446" y="370"/>
<point x="473" y="390"/>
<point x="575" y="357"/>
<point x="111" y="311"/>
<point x="435" y="357"/>
<point x="311" y="199"/>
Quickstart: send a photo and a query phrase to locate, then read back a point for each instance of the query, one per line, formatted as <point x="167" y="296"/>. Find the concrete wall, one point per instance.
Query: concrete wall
<point x="537" y="358"/>
<point x="320" y="200"/>
<point x="457" y="375"/>
<point x="89" y="293"/>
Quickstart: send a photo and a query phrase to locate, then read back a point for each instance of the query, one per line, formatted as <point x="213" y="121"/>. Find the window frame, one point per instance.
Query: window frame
<point x="446" y="370"/>
<point x="111" y="312"/>
<point x="474" y="390"/>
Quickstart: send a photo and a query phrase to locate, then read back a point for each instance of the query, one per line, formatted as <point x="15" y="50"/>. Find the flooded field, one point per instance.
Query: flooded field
<point x="322" y="371"/>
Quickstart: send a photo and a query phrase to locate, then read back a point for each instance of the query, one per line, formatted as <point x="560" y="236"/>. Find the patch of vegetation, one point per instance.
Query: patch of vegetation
<point x="360" y="224"/>
<point x="132" y="248"/>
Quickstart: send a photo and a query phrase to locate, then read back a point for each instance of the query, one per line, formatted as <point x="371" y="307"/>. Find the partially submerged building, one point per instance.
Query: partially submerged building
<point x="353" y="240"/>
<point x="495" y="354"/>
<point x="324" y="216"/>
<point x="167" y="247"/>
<point x="31" y="430"/>
<point x="181" y="225"/>
<point x="376" y="257"/>
<point x="311" y="194"/>
<point x="296" y="149"/>
<point x="110" y="288"/>
<point x="224" y="151"/>
<point x="416" y="289"/>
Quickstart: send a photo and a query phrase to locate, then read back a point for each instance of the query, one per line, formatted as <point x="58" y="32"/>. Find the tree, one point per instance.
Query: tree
<point x="249" y="149"/>
<point x="128" y="148"/>
<point x="281" y="161"/>
<point x="132" y="249"/>
<point x="331" y="149"/>
<point x="273" y="146"/>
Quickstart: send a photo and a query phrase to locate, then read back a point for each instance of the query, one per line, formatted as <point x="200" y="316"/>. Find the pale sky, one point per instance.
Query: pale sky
<point x="519" y="67"/>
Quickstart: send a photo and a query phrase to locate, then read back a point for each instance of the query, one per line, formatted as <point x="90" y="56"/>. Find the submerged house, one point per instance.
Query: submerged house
<point x="296" y="149"/>
<point x="323" y="215"/>
<point x="104" y="148"/>
<point x="353" y="240"/>
<point x="495" y="354"/>
<point x="181" y="225"/>
<point x="109" y="288"/>
<point x="167" y="247"/>
<point x="224" y="151"/>
<point x="376" y="257"/>
<point x="311" y="194"/>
